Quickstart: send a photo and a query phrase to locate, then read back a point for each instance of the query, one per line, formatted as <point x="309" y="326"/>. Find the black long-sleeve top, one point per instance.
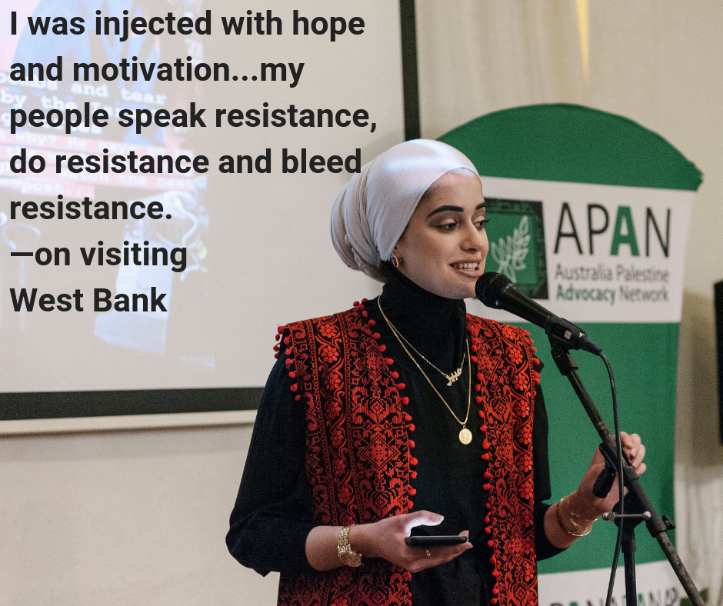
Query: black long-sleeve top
<point x="272" y="516"/>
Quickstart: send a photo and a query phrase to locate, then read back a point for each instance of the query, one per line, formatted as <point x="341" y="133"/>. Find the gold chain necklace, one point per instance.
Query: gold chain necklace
<point x="465" y="435"/>
<point x="451" y="377"/>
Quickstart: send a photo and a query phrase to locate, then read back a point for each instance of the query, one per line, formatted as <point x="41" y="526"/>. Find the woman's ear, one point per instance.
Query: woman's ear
<point x="396" y="257"/>
<point x="397" y="252"/>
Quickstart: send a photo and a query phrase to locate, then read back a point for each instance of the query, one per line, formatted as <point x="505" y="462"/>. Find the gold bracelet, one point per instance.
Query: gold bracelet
<point x="559" y="519"/>
<point x="347" y="555"/>
<point x="572" y="515"/>
<point x="575" y="525"/>
<point x="579" y="517"/>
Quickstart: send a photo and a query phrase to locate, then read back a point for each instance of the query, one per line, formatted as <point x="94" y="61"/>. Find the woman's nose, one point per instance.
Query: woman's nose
<point x="473" y="238"/>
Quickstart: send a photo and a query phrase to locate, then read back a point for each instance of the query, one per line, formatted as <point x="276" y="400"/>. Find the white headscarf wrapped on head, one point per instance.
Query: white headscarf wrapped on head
<point x="372" y="211"/>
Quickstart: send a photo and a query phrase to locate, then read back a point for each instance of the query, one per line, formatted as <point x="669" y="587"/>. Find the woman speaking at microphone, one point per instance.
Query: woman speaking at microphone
<point x="404" y="415"/>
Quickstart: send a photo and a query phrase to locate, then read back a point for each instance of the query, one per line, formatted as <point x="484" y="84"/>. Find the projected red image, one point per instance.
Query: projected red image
<point x="113" y="212"/>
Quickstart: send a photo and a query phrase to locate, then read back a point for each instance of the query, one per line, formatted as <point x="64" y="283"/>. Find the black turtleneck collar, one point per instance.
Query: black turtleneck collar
<point x="436" y="326"/>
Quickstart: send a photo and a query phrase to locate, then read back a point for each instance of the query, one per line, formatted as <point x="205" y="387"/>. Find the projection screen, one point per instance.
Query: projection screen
<point x="241" y="244"/>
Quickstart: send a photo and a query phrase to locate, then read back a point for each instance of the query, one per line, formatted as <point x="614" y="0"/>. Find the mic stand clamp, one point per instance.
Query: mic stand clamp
<point x="636" y="501"/>
<point x="611" y="516"/>
<point x="628" y="542"/>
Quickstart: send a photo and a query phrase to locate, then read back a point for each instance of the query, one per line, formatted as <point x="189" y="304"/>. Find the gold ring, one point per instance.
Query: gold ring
<point x="429" y="555"/>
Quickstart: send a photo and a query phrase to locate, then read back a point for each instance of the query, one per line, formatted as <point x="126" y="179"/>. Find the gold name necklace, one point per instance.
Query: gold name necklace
<point x="451" y="377"/>
<point x="465" y="435"/>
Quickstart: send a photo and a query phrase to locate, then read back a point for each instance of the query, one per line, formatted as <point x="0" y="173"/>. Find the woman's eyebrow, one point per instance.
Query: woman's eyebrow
<point x="456" y="209"/>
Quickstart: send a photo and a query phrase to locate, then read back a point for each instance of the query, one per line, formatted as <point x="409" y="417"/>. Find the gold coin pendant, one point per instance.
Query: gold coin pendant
<point x="465" y="436"/>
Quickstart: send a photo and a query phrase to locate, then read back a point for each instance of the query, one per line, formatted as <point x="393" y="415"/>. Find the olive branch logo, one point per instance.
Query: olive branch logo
<point x="510" y="252"/>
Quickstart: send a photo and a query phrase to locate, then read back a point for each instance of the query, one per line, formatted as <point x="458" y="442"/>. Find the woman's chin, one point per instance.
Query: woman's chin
<point x="466" y="282"/>
<point x="462" y="291"/>
<point x="450" y="283"/>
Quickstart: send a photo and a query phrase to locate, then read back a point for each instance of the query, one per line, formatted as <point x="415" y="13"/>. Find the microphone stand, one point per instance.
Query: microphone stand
<point x="637" y="504"/>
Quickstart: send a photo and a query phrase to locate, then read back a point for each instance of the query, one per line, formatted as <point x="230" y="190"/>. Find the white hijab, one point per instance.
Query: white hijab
<point x="372" y="211"/>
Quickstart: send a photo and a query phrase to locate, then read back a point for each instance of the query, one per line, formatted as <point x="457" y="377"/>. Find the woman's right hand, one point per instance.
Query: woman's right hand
<point x="385" y="539"/>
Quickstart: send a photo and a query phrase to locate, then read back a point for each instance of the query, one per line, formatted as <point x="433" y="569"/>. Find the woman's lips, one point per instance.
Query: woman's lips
<point x="466" y="266"/>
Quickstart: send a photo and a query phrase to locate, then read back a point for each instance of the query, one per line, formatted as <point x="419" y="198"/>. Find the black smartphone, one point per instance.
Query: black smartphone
<point x="437" y="541"/>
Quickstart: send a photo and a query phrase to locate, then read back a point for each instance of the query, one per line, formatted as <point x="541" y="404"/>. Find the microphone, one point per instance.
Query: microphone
<point x="496" y="291"/>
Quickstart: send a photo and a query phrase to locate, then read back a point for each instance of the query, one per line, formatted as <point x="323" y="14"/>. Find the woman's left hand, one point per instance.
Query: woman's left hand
<point x="586" y="503"/>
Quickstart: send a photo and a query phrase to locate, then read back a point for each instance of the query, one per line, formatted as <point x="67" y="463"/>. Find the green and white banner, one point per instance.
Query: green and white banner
<point x="589" y="215"/>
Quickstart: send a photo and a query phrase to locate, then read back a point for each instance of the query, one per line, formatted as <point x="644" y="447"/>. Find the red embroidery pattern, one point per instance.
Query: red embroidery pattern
<point x="504" y="360"/>
<point x="357" y="458"/>
<point x="358" y="452"/>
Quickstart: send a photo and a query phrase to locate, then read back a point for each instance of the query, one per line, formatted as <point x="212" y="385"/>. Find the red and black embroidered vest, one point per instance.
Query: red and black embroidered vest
<point x="358" y="455"/>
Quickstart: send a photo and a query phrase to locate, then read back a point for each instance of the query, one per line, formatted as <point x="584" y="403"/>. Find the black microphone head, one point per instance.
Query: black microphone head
<point x="489" y="287"/>
<point x="498" y="292"/>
